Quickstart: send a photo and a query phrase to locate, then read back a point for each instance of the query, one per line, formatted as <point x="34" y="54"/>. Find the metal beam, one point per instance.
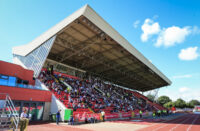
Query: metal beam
<point x="108" y="65"/>
<point x="113" y="60"/>
<point x="76" y="50"/>
<point x="80" y="22"/>
<point x="99" y="58"/>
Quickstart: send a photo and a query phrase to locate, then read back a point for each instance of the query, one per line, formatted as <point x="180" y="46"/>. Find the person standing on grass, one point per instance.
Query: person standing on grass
<point x="58" y="117"/>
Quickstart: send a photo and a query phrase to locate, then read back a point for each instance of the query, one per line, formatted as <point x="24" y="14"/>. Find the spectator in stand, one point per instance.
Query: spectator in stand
<point x="65" y="97"/>
<point x="66" y="91"/>
<point x="59" y="92"/>
<point x="79" y="105"/>
<point x="95" y="106"/>
<point x="84" y="106"/>
<point x="74" y="106"/>
<point x="59" y="75"/>
<point x="49" y="70"/>
<point x="56" y="89"/>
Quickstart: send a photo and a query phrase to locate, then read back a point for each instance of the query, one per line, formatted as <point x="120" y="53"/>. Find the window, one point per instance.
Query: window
<point x="3" y="80"/>
<point x="3" y="77"/>
<point x="12" y="81"/>
<point x="7" y="80"/>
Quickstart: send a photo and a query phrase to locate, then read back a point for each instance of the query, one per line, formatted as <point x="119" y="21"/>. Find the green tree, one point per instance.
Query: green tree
<point x="180" y="103"/>
<point x="192" y="103"/>
<point x="150" y="97"/>
<point x="169" y="105"/>
<point x="189" y="105"/>
<point x="163" y="99"/>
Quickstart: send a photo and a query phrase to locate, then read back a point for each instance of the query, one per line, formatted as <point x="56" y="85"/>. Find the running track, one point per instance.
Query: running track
<point x="188" y="122"/>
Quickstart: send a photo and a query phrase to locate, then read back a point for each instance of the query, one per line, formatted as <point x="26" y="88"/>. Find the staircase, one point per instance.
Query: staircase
<point x="9" y="118"/>
<point x="155" y="105"/>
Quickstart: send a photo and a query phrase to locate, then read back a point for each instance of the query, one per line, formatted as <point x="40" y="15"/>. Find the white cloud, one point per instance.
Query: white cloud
<point x="188" y="94"/>
<point x="136" y="23"/>
<point x="188" y="54"/>
<point x="166" y="37"/>
<point x="172" y="35"/>
<point x="155" y="16"/>
<point x="183" y="89"/>
<point x="195" y="30"/>
<point x="185" y="93"/>
<point x="182" y="76"/>
<point x="149" y="28"/>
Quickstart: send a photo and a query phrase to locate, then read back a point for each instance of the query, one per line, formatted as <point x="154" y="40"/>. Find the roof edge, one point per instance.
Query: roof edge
<point x="108" y="29"/>
<point x="23" y="50"/>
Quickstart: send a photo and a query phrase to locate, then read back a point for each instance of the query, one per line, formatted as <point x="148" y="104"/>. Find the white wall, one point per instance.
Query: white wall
<point x="41" y="85"/>
<point x="47" y="108"/>
<point x="57" y="105"/>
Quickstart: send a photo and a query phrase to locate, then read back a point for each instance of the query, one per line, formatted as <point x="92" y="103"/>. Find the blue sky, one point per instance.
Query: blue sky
<point x="166" y="32"/>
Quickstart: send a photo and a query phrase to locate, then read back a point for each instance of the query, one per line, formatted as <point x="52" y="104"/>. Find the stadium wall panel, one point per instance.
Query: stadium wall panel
<point x="26" y="94"/>
<point x="10" y="69"/>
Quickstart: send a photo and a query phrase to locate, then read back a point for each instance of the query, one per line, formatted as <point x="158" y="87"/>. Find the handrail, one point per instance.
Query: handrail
<point x="95" y="87"/>
<point x="10" y="110"/>
<point x="13" y="108"/>
<point x="118" y="94"/>
<point x="13" y="112"/>
<point x="67" y="85"/>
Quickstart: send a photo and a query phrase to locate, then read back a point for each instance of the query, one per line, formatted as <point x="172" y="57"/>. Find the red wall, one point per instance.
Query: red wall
<point x="26" y="94"/>
<point x="16" y="71"/>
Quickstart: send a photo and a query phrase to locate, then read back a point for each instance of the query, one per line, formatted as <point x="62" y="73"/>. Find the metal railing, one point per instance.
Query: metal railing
<point x="11" y="108"/>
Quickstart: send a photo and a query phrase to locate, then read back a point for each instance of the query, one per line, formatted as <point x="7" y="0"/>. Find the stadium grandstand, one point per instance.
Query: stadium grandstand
<point x="83" y="66"/>
<point x="86" y="42"/>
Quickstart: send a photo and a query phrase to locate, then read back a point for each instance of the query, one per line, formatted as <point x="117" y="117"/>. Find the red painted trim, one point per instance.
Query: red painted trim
<point x="26" y="94"/>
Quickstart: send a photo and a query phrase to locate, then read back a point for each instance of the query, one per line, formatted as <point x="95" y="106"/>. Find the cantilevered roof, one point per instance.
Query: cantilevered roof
<point x="85" y="41"/>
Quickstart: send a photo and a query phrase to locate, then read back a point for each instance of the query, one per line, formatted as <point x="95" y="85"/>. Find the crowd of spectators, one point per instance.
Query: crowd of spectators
<point x="92" y="93"/>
